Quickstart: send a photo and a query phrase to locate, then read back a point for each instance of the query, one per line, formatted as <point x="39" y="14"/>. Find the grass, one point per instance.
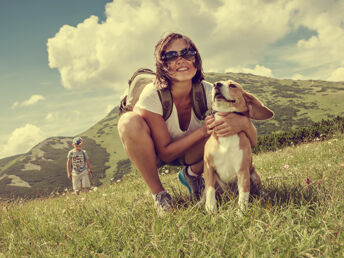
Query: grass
<point x="300" y="214"/>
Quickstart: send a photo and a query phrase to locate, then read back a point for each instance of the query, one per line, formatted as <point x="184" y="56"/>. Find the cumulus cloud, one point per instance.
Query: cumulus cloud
<point x="31" y="101"/>
<point x="257" y="70"/>
<point x="94" y="55"/>
<point x="337" y="75"/>
<point x="324" y="51"/>
<point x="300" y="77"/>
<point x="22" y="140"/>
<point x="63" y="117"/>
<point x="228" y="33"/>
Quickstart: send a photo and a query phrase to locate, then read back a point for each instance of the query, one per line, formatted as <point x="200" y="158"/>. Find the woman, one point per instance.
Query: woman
<point x="150" y="141"/>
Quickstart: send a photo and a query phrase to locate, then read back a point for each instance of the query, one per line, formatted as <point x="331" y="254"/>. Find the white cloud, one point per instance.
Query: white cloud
<point x="257" y="70"/>
<point x="95" y="55"/>
<point x="22" y="140"/>
<point x="31" y="101"/>
<point x="337" y="75"/>
<point x="299" y="77"/>
<point x="15" y="104"/>
<point x="228" y="33"/>
<point x="325" y="51"/>
<point x="65" y="118"/>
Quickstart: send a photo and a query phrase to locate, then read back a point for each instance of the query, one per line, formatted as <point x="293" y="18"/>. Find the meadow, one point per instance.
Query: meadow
<point x="298" y="214"/>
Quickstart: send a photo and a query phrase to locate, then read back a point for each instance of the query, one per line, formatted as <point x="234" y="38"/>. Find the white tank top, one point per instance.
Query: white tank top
<point x="149" y="100"/>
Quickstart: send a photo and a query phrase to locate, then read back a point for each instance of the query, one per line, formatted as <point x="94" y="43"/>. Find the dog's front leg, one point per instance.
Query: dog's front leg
<point x="244" y="189"/>
<point x="210" y="192"/>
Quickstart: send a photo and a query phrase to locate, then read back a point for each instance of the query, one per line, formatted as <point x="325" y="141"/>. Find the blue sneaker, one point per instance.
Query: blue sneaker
<point x="194" y="184"/>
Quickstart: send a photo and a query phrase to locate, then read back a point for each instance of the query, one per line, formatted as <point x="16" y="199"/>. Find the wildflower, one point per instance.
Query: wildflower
<point x="166" y="171"/>
<point x="119" y="180"/>
<point x="286" y="167"/>
<point x="308" y="181"/>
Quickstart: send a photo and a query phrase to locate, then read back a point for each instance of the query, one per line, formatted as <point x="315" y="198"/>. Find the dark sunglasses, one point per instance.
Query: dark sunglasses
<point x="186" y="53"/>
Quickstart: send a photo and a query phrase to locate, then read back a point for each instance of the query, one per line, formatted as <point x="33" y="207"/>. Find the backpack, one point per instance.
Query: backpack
<point x="143" y="77"/>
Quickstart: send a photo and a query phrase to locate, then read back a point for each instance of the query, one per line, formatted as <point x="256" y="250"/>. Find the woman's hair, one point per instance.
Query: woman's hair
<point x="163" y="79"/>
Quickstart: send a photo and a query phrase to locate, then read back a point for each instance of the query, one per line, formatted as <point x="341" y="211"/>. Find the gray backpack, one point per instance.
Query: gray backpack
<point x="143" y="77"/>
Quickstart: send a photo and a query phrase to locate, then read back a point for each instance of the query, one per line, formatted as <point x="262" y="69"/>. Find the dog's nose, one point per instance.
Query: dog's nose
<point x="217" y="85"/>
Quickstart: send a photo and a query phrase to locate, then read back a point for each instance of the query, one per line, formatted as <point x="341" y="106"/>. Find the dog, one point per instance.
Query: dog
<point x="228" y="160"/>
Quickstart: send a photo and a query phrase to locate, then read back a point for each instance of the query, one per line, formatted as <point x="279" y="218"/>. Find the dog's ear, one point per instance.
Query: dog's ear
<point x="257" y="110"/>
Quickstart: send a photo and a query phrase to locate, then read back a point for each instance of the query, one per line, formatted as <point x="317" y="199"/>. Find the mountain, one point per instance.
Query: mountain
<point x="42" y="170"/>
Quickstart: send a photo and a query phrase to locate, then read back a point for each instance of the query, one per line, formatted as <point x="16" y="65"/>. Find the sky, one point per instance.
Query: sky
<point x="65" y="64"/>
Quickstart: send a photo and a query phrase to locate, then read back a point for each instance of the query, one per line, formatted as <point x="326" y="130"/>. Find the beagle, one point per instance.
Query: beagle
<point x="228" y="160"/>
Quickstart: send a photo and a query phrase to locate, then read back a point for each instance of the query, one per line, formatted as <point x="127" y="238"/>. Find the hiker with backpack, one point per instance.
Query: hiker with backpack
<point x="165" y="125"/>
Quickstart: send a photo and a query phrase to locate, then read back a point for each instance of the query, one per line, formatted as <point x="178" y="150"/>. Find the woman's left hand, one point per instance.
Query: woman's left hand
<point x="230" y="124"/>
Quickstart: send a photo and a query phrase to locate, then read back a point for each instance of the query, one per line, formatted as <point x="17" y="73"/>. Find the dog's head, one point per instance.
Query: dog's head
<point x="229" y="96"/>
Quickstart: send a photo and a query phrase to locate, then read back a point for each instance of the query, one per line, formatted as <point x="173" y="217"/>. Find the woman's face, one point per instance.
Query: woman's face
<point x="180" y="69"/>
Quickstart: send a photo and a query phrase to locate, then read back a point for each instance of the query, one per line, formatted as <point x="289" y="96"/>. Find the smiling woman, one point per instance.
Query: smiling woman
<point x="180" y="139"/>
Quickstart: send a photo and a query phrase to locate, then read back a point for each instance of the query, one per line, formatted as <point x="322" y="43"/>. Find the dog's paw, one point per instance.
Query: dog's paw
<point x="243" y="201"/>
<point x="241" y="213"/>
<point x="211" y="207"/>
<point x="210" y="202"/>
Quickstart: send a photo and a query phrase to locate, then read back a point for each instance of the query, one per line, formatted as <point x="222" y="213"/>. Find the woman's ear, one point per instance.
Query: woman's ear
<point x="257" y="110"/>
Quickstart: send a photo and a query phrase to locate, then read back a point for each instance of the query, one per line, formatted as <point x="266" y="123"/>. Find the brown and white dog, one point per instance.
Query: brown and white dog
<point x="228" y="160"/>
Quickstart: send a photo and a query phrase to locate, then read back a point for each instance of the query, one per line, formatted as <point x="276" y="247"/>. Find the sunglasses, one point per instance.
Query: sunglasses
<point x="186" y="53"/>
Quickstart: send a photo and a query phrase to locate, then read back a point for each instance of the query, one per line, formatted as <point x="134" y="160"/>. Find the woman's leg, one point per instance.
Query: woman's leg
<point x="194" y="156"/>
<point x="137" y="141"/>
<point x="191" y="176"/>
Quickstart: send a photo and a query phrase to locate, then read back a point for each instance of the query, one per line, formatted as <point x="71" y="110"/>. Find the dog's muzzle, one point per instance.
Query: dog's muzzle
<point x="218" y="96"/>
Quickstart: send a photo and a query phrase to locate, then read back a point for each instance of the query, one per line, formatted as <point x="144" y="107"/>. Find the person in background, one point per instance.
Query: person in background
<point x="78" y="167"/>
<point x="151" y="142"/>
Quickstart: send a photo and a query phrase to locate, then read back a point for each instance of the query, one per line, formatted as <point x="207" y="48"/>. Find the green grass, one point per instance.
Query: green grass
<point x="291" y="219"/>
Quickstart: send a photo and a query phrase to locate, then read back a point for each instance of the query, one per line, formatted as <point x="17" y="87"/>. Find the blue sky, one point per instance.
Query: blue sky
<point x="64" y="64"/>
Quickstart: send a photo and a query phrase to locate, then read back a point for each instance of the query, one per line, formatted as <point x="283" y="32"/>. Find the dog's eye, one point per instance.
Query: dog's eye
<point x="232" y="85"/>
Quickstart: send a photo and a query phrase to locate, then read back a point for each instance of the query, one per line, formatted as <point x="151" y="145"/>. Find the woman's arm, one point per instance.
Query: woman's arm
<point x="232" y="123"/>
<point x="167" y="149"/>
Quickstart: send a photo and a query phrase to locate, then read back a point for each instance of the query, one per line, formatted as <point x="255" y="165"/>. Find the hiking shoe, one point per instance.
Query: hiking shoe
<point x="194" y="184"/>
<point x="162" y="202"/>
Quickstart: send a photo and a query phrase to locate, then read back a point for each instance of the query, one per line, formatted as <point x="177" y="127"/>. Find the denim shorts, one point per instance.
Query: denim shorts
<point x="177" y="162"/>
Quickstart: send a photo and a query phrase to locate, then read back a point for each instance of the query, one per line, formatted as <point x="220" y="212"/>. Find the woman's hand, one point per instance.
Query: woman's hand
<point x="209" y="122"/>
<point x="230" y="124"/>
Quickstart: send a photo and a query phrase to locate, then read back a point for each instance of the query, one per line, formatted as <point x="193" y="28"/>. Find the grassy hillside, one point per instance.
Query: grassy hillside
<point x="42" y="170"/>
<point x="295" y="103"/>
<point x="300" y="214"/>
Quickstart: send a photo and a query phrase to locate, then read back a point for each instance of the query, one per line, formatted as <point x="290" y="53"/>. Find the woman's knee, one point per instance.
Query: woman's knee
<point x="130" y="124"/>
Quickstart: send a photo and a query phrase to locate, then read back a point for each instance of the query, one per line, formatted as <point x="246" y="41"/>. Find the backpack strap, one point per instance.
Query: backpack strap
<point x="166" y="100"/>
<point x="199" y="100"/>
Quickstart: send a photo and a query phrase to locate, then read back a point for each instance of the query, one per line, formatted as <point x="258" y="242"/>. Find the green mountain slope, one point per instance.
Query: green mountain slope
<point x="43" y="169"/>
